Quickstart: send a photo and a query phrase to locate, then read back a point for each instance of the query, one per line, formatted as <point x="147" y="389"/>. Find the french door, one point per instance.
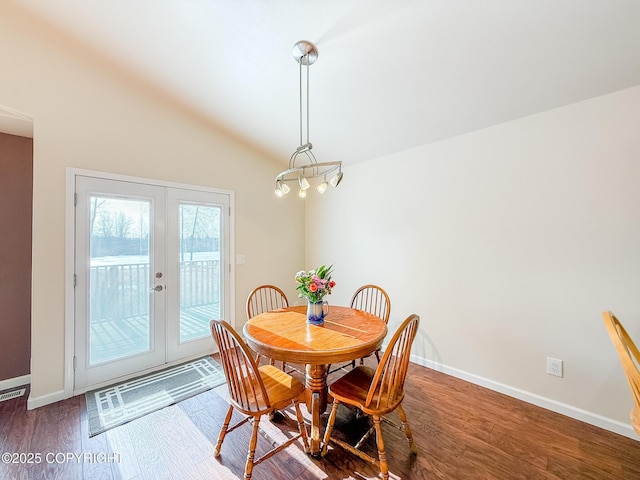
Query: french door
<point x="150" y="274"/>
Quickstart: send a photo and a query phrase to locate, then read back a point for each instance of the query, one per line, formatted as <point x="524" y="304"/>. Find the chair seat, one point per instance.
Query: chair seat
<point x="353" y="389"/>
<point x="281" y="387"/>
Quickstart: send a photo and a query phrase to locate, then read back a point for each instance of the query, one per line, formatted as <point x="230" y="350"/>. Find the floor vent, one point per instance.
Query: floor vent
<point x="10" y="395"/>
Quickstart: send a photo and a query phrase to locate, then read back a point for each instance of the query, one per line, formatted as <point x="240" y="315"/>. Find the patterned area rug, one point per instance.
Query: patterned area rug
<point x="118" y="404"/>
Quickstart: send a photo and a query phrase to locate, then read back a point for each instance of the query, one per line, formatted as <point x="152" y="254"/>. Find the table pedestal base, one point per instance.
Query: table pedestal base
<point x="316" y="398"/>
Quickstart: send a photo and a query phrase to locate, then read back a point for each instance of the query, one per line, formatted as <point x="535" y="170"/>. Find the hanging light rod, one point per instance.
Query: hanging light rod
<point x="306" y="54"/>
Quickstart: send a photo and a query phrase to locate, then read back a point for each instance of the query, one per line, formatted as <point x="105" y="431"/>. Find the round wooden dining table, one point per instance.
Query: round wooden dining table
<point x="284" y="335"/>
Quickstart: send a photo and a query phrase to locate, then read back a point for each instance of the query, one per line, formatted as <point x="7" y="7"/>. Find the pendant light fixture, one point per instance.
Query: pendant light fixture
<point x="303" y="165"/>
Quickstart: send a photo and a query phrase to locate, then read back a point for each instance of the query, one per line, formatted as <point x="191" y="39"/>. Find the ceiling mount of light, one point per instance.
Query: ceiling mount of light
<point x="307" y="167"/>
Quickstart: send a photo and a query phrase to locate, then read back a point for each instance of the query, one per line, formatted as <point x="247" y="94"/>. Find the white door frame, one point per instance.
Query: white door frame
<point x="72" y="173"/>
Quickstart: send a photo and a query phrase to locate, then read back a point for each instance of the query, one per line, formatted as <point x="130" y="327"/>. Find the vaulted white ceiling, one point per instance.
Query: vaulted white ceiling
<point x="391" y="74"/>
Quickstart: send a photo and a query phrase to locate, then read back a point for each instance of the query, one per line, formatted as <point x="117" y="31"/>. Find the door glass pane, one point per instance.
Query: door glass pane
<point x="119" y="280"/>
<point x="200" y="274"/>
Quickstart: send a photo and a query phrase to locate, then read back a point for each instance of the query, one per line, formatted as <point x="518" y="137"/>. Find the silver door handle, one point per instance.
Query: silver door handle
<point x="157" y="288"/>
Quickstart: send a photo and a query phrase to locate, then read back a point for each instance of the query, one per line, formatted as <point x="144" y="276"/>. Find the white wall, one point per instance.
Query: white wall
<point x="509" y="242"/>
<point x="90" y="115"/>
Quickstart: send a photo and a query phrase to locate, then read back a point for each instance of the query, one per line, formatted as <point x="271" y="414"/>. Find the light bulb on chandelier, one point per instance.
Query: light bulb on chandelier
<point x="322" y="187"/>
<point x="303" y="183"/>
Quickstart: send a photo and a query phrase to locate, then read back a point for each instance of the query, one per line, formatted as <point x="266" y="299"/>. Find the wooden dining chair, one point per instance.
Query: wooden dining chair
<point x="372" y="299"/>
<point x="630" y="359"/>
<point x="376" y="393"/>
<point x="264" y="299"/>
<point x="254" y="391"/>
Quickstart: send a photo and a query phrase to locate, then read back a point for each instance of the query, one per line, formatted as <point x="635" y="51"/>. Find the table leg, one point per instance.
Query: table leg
<point x="316" y="399"/>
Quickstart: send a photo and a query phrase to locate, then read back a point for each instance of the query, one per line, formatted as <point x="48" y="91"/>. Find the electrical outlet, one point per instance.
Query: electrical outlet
<point x="554" y="367"/>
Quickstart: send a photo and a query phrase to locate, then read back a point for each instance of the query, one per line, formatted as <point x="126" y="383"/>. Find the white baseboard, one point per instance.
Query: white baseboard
<point x="558" y="407"/>
<point x="35" y="402"/>
<point x="15" y="382"/>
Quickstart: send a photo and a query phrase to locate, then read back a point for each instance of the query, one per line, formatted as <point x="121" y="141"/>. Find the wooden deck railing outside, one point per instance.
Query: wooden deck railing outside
<point x="122" y="291"/>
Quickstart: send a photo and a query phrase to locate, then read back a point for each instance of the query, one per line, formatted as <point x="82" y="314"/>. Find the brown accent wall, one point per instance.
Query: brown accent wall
<point x="16" y="193"/>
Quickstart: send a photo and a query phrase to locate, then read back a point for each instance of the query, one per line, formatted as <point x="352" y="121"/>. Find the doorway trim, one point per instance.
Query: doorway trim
<point x="69" y="302"/>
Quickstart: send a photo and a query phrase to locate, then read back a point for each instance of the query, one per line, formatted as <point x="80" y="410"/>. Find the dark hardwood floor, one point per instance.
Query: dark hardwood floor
<point x="462" y="431"/>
